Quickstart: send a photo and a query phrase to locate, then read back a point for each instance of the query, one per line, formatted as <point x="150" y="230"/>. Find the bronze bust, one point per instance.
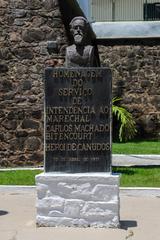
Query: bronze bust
<point x="80" y="53"/>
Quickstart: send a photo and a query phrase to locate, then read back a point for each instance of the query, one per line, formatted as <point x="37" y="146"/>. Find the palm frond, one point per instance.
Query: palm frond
<point x="127" y="128"/>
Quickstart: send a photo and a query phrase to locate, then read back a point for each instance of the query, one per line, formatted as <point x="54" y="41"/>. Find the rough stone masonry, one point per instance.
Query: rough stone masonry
<point x="85" y="200"/>
<point x="136" y="79"/>
<point x="26" y="27"/>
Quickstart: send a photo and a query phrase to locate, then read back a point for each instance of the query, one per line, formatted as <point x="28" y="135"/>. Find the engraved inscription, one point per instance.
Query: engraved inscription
<point x="77" y="119"/>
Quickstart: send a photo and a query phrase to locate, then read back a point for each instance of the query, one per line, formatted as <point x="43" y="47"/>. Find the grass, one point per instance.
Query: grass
<point x="139" y="176"/>
<point x="18" y="177"/>
<point x="137" y="147"/>
<point x="130" y="176"/>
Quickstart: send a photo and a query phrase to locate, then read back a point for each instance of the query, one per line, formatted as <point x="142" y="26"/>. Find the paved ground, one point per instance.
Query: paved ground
<point x="140" y="219"/>
<point x="135" y="160"/>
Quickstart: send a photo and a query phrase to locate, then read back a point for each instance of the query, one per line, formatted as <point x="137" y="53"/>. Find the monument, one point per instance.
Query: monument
<point x="77" y="187"/>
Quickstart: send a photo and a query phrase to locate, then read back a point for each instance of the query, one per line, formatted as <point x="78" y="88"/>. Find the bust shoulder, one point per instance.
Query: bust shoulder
<point x="71" y="48"/>
<point x="89" y="49"/>
<point x="79" y="56"/>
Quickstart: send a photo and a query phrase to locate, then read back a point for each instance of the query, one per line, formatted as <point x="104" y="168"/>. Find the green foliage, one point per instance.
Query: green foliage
<point x="18" y="177"/>
<point x="137" y="147"/>
<point x="127" y="128"/>
<point x="130" y="176"/>
<point x="139" y="176"/>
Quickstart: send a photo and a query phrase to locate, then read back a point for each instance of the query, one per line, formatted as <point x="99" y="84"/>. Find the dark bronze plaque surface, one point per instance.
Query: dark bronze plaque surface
<point x="77" y="120"/>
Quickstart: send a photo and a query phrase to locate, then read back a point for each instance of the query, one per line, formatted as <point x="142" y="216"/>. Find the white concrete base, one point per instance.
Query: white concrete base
<point x="80" y="200"/>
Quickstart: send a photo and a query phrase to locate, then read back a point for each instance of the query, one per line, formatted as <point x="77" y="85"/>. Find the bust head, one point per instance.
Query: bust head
<point x="79" y="30"/>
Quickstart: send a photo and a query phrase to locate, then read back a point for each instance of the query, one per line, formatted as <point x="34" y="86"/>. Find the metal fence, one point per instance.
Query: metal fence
<point x="124" y="10"/>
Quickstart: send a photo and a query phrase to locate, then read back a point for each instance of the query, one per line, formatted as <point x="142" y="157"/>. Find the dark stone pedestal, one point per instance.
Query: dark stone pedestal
<point x="78" y="120"/>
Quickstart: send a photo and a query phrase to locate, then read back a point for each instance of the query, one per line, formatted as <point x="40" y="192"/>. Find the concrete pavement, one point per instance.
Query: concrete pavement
<point x="135" y="160"/>
<point x="140" y="219"/>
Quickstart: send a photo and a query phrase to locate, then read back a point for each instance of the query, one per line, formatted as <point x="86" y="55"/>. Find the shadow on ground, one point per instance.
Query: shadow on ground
<point x="128" y="224"/>
<point x="3" y="212"/>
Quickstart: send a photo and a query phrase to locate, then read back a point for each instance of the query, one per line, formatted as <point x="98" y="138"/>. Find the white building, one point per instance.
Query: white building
<point x="121" y="19"/>
<point x="121" y="10"/>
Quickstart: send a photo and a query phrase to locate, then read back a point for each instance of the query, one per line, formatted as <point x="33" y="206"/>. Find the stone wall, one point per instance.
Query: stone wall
<point x="26" y="26"/>
<point x="29" y="31"/>
<point x="136" y="79"/>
